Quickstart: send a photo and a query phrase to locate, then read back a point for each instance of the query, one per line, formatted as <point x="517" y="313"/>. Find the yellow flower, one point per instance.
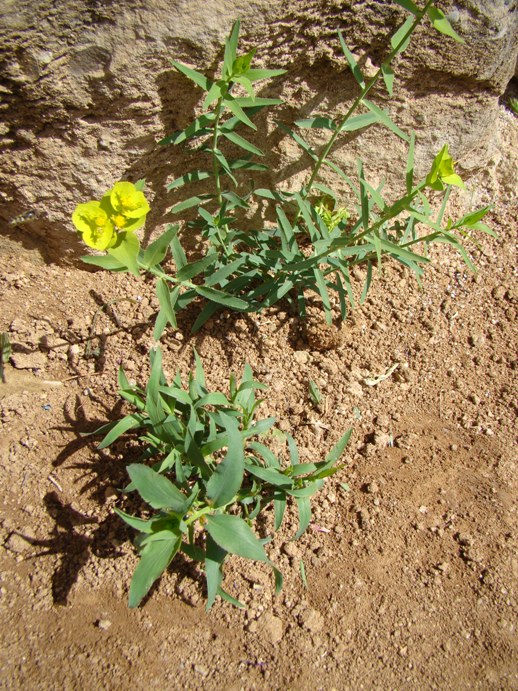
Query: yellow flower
<point x="95" y="225"/>
<point x="442" y="172"/>
<point x="129" y="205"/>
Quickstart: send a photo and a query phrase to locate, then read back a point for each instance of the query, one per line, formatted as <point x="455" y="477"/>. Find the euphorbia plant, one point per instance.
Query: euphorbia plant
<point x="315" y="241"/>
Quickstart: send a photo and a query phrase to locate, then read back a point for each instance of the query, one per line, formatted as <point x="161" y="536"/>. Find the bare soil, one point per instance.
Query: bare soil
<point x="411" y="566"/>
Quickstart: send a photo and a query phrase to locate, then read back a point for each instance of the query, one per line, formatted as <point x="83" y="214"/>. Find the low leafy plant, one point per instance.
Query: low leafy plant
<point x="211" y="476"/>
<point x="315" y="241"/>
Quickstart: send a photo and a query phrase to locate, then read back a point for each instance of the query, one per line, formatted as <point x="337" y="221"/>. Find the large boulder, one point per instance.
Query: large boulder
<point x="88" y="90"/>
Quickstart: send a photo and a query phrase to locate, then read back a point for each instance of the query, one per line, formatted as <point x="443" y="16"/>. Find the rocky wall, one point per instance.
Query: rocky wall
<point x="87" y="91"/>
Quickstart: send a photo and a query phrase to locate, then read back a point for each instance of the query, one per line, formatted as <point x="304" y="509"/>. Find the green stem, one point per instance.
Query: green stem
<point x="215" y="166"/>
<point x="321" y="159"/>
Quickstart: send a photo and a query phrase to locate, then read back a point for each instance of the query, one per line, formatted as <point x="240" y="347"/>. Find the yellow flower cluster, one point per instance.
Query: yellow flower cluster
<point x="123" y="208"/>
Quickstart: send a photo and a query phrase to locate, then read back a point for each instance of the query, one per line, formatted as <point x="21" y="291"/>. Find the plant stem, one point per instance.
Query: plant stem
<point x="419" y="17"/>
<point x="215" y="166"/>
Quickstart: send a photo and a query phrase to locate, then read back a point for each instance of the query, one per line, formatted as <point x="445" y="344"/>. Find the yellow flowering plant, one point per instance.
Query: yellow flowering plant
<point x="109" y="224"/>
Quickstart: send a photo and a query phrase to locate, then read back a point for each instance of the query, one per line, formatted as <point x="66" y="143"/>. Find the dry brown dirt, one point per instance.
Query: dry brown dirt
<point x="411" y="571"/>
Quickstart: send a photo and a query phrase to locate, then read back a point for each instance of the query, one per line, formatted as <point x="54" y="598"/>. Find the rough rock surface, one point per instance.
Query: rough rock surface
<point x="88" y="90"/>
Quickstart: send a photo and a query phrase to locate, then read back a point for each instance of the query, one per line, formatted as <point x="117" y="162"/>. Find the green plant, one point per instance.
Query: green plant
<point x="5" y="353"/>
<point x="211" y="477"/>
<point x="513" y="102"/>
<point x="311" y="248"/>
<point x="314" y="394"/>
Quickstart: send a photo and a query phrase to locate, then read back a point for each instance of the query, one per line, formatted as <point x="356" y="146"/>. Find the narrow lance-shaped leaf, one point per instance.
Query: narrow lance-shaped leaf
<point x="157" y="250"/>
<point x="352" y="62"/>
<point x="222" y="298"/>
<point x="235" y="536"/>
<point x="214" y="558"/>
<point x="193" y="75"/>
<point x="318" y="122"/>
<point x="410" y="164"/>
<point x="358" y="122"/>
<point x="400" y="34"/>
<point x="228" y="476"/>
<point x="194" y="176"/>
<point x="385" y="119"/>
<point x="441" y="24"/>
<point x="231" y="49"/>
<point x="167" y="300"/>
<point x="255" y="75"/>
<point x="241" y="142"/>
<point x="154" y="560"/>
<point x="156" y="490"/>
<point x="388" y="77"/>
<point x="232" y="104"/>
<point x="408" y="5"/>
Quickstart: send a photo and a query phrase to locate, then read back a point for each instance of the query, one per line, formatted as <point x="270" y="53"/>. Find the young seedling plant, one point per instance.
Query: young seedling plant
<point x="210" y="475"/>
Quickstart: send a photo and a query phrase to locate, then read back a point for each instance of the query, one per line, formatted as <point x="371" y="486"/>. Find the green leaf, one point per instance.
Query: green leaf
<point x="352" y="62"/>
<point x="246" y="83"/>
<point x="214" y="558"/>
<point x="316" y="123"/>
<point x="473" y="218"/>
<point x="246" y="164"/>
<point x="279" y="507"/>
<point x="324" y="295"/>
<point x="269" y="457"/>
<point x="314" y="393"/>
<point x="195" y="268"/>
<point x="297" y="138"/>
<point x="153" y="405"/>
<point x="126" y="251"/>
<point x="137" y="523"/>
<point x="409" y="6"/>
<point x="198" y="127"/>
<point x="359" y="121"/>
<point x="256" y="102"/>
<point x="154" y="560"/>
<point x="119" y="428"/>
<point x="231" y="49"/>
<point x="189" y="203"/>
<point x="156" y="489"/>
<point x="410" y="164"/>
<point x="105" y="262"/>
<point x="157" y="250"/>
<point x="214" y="93"/>
<point x="179" y="257"/>
<point x="193" y="75"/>
<point x="398" y="37"/>
<point x="224" y="164"/>
<point x="338" y="448"/>
<point x="241" y="142"/>
<point x="232" y="104"/>
<point x="254" y="75"/>
<point x="228" y="476"/>
<point x="194" y="176"/>
<point x="441" y="24"/>
<point x="221" y="298"/>
<point x="388" y="77"/>
<point x="384" y="118"/>
<point x="270" y="475"/>
<point x="167" y="300"/>
<point x="232" y="534"/>
<point x="304" y="507"/>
